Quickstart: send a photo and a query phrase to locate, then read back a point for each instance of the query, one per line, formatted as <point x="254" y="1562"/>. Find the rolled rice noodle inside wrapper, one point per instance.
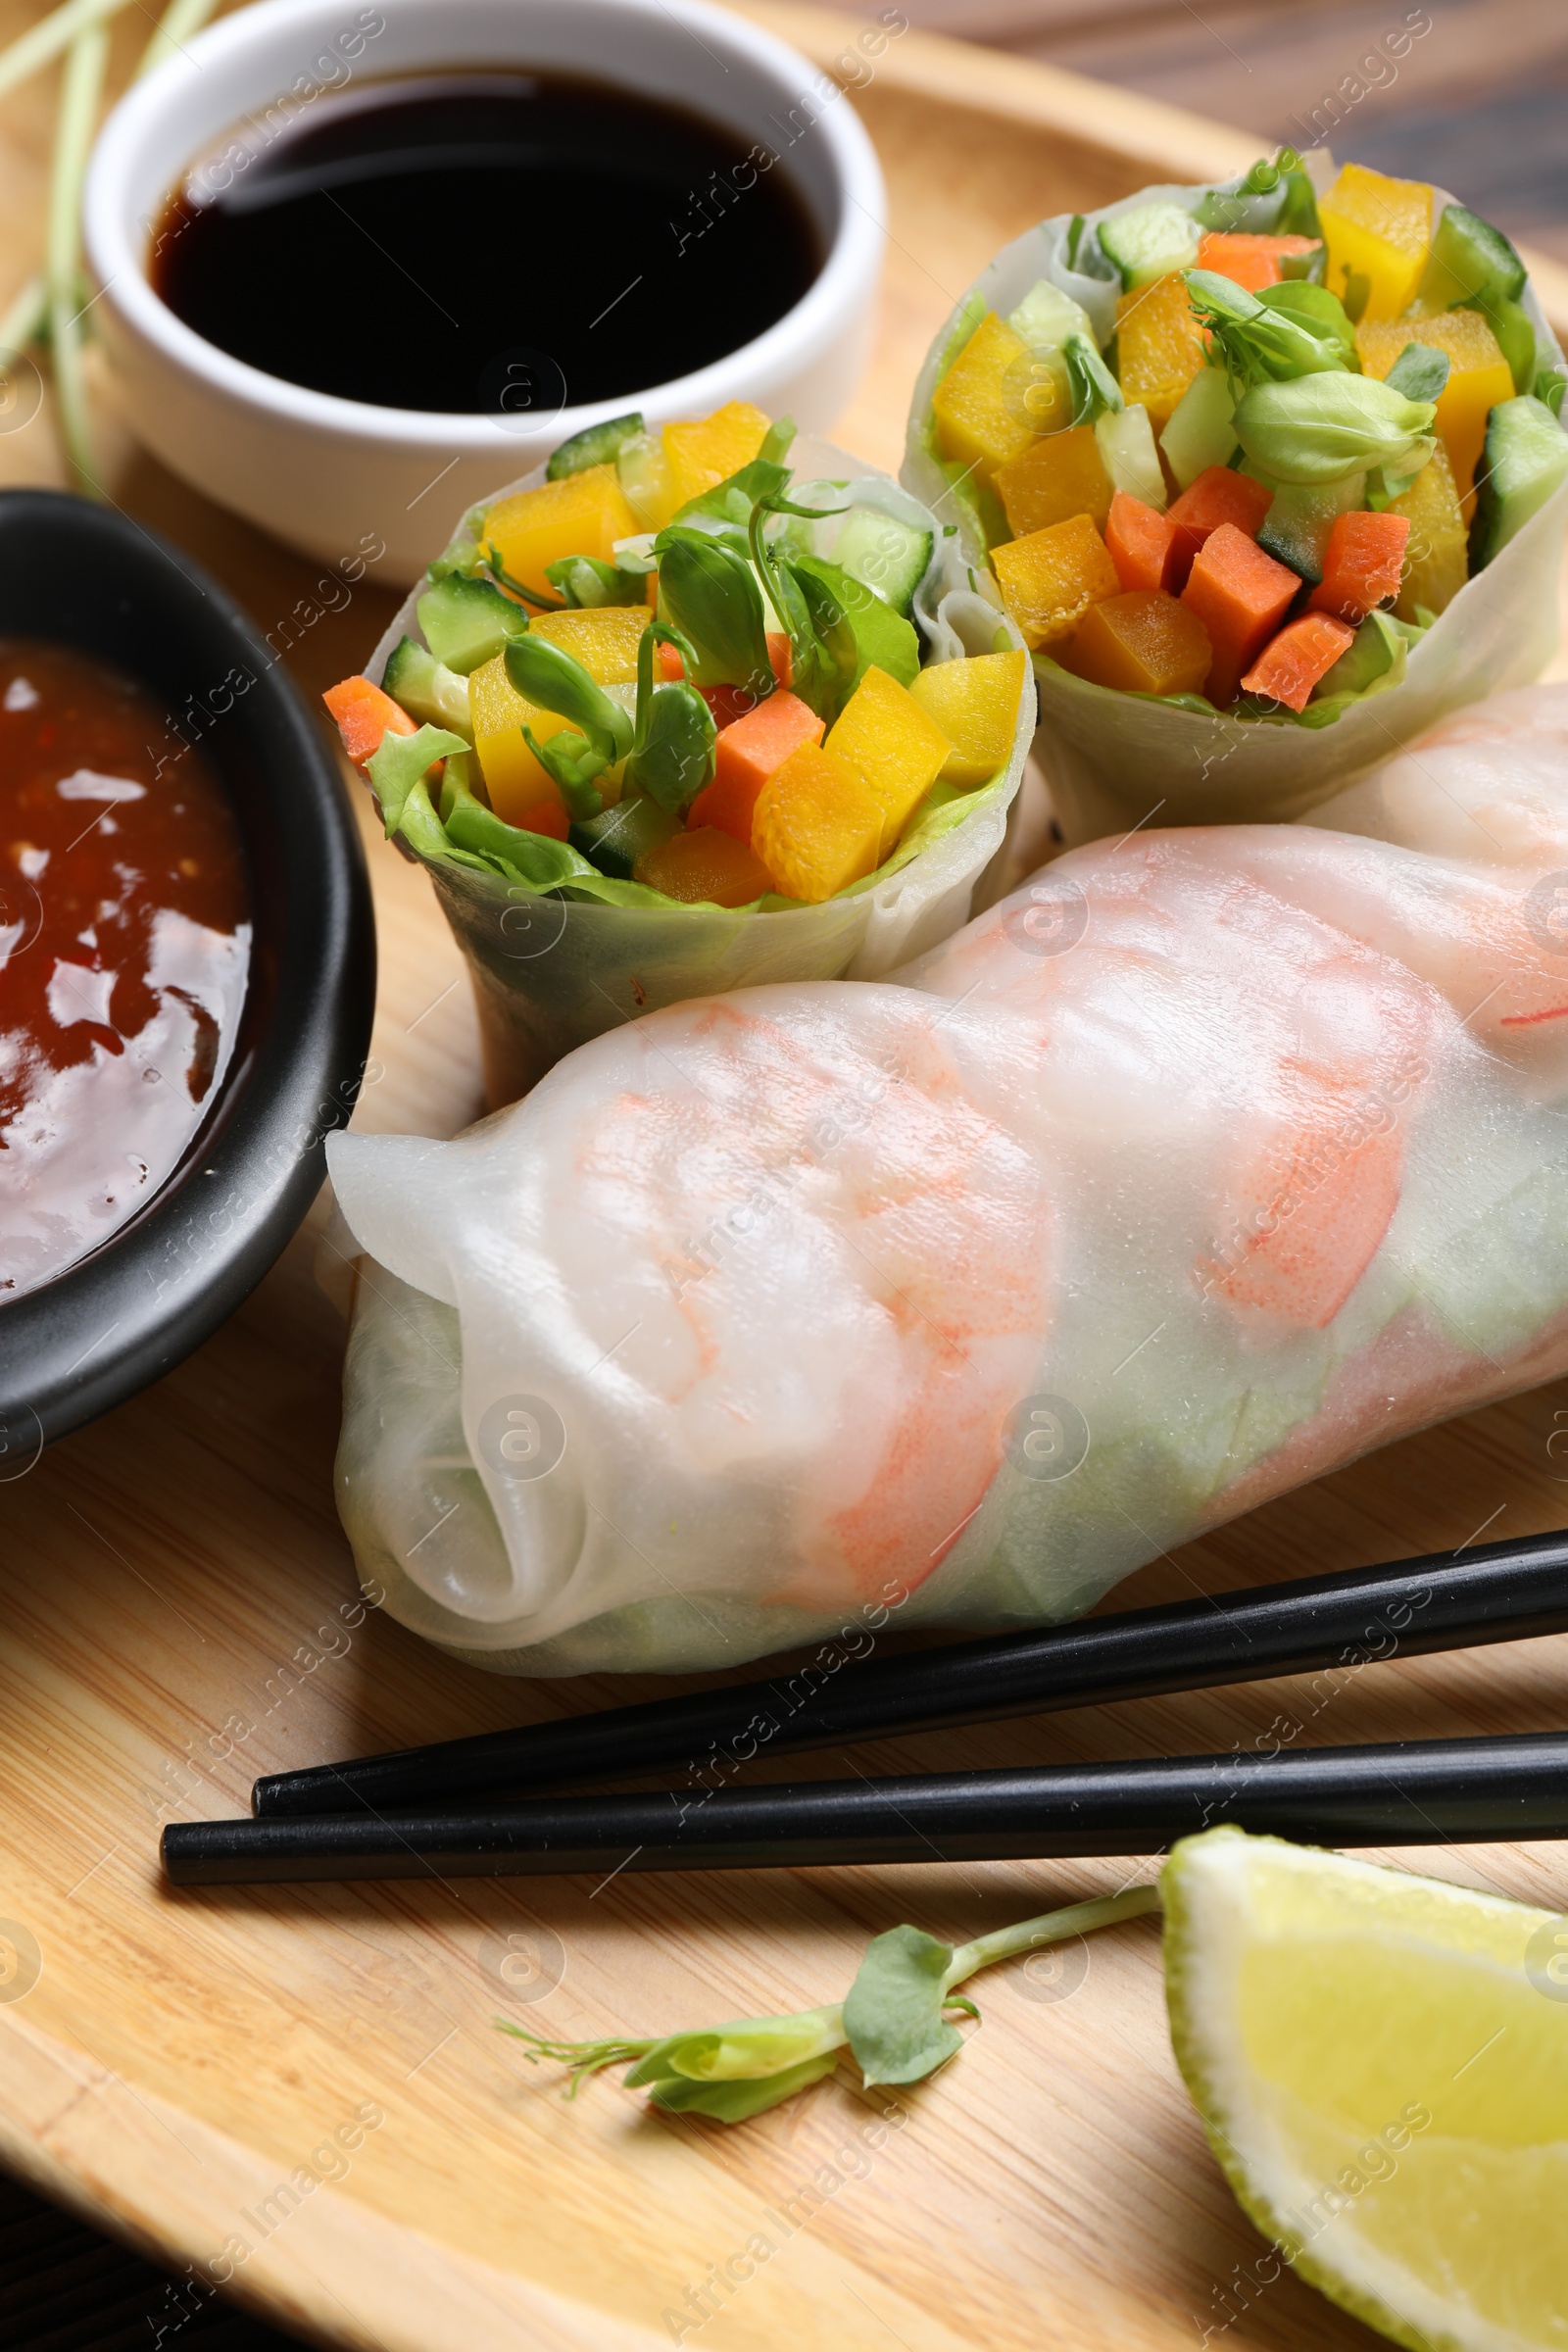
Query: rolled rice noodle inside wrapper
<point x="549" y="974"/>
<point x="1206" y="1162"/>
<point x="1111" y="759"/>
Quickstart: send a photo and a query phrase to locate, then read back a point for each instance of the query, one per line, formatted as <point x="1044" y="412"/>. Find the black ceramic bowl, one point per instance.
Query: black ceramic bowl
<point x="89" y="577"/>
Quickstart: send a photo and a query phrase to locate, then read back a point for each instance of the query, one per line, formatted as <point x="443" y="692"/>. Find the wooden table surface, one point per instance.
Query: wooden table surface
<point x="1467" y="92"/>
<point x="177" y="1615"/>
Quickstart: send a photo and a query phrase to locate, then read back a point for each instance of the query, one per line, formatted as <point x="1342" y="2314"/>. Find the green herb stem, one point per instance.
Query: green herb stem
<point x="27" y="317"/>
<point x="80" y="93"/>
<point x="583" y="2059"/>
<point x="1053" y="1927"/>
<point x="176" y="26"/>
<point x="50" y="37"/>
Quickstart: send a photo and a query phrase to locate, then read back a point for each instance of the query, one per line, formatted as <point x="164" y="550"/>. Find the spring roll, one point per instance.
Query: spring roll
<point x="1204" y="1163"/>
<point x="1271" y="474"/>
<point x="680" y="712"/>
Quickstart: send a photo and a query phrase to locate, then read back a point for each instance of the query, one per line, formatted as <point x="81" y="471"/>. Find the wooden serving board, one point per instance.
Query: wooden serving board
<point x="299" y="2091"/>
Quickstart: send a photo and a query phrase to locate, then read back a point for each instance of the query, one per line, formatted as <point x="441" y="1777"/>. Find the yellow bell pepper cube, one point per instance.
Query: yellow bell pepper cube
<point x="975" y="704"/>
<point x="605" y="639"/>
<point x="1050" y="579"/>
<point x="1380" y="229"/>
<point x="1160" y="346"/>
<point x="1143" y="642"/>
<point x="513" y="777"/>
<point x="699" y="456"/>
<point x="817" y="826"/>
<point x="1060" y="476"/>
<point x="582" y="516"/>
<point x="994" y="399"/>
<point x="1437" y="555"/>
<point x="833" y="812"/>
<point x="893" y="744"/>
<point x="1478" y="377"/>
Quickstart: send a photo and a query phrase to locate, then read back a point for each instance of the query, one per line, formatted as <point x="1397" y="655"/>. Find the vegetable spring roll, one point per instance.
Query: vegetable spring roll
<point x="684" y="712"/>
<point x="1204" y="1163"/>
<point x="1270" y="475"/>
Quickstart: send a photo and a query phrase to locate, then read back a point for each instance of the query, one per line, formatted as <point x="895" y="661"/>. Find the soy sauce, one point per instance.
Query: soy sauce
<point x="485" y="242"/>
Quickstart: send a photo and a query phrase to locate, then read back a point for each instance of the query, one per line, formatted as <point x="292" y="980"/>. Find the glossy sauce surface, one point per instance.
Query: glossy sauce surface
<point x="124" y="951"/>
<point x="485" y="242"/>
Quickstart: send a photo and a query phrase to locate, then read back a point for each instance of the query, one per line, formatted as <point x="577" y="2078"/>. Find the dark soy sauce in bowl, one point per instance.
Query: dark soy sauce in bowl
<point x="483" y="242"/>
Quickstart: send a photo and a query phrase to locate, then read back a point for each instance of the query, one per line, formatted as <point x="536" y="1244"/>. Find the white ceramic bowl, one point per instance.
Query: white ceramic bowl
<point x="332" y="476"/>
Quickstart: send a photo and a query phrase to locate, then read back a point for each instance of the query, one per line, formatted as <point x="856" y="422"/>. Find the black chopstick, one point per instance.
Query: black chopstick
<point x="1430" y="1792"/>
<point x="1446" y="1600"/>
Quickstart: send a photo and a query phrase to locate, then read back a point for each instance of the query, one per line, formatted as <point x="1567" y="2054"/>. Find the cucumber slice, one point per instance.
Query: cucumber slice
<point x="1149" y="242"/>
<point x="1376" y="656"/>
<point x="466" y="622"/>
<point x="1125" y="439"/>
<point x="594" y="445"/>
<point x="1468" y="256"/>
<point x="1202" y="431"/>
<point x="1296" y="529"/>
<point x="1526" y="457"/>
<point x="1084" y="255"/>
<point x="426" y="689"/>
<point x="1047" y="317"/>
<point x="616" y="838"/>
<point x="886" y="554"/>
<point x="1515" y="331"/>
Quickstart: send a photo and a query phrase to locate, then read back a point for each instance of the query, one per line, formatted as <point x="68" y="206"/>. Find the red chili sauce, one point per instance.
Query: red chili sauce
<point x="124" y="951"/>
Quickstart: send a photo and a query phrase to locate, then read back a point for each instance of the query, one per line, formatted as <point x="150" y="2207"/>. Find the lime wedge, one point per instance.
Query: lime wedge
<point x="1381" y="2062"/>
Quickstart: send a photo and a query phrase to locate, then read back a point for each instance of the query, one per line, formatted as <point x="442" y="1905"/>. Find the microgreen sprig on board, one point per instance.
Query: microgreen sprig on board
<point x="896" y="2022"/>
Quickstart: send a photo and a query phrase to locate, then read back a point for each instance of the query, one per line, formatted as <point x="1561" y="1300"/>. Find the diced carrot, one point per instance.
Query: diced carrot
<point x="364" y="713"/>
<point x="671" y="668"/>
<point x="782" y="655"/>
<point x="1218" y="496"/>
<point x="728" y="703"/>
<point x="1240" y="596"/>
<point x="1142" y="543"/>
<point x="544" y="817"/>
<point x="705" y="867"/>
<point x="1292" y="663"/>
<point x="1362" y="563"/>
<point x="1250" y="262"/>
<point x="747" y="752"/>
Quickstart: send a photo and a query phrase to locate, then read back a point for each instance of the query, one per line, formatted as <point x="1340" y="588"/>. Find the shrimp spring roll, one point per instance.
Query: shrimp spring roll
<point x="1206" y="1162"/>
<point x="1270" y="475"/>
<point x="681" y="713"/>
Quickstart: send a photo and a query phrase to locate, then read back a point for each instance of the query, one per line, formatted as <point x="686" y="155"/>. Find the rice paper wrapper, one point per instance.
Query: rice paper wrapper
<point x="1205" y="1163"/>
<point x="551" y="973"/>
<point x="1113" y="760"/>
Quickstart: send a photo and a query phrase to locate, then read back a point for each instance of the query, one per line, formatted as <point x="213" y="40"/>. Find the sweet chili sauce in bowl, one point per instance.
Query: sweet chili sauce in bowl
<point x="187" y="961"/>
<point x="124" y="950"/>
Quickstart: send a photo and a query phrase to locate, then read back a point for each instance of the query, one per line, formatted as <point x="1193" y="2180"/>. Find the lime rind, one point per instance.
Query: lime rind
<point x="1226" y="1894"/>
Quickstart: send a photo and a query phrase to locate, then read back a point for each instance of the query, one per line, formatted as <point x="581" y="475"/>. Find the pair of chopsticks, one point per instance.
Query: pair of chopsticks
<point x="441" y="1811"/>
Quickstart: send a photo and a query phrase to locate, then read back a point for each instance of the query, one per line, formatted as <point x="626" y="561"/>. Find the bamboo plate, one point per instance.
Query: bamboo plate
<point x="298" y="2092"/>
